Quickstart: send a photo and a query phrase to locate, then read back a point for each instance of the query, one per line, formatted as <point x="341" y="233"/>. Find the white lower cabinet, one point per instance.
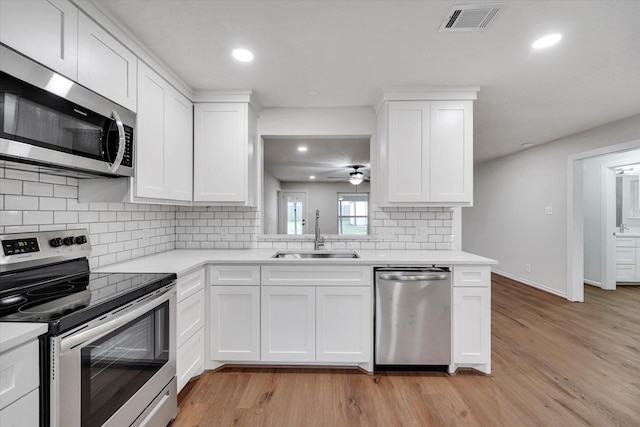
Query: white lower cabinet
<point x="234" y="323"/>
<point x="190" y="322"/>
<point x="627" y="259"/>
<point x="291" y="314"/>
<point x="19" y="382"/>
<point x="471" y="341"/>
<point x="288" y="322"/>
<point x="344" y="326"/>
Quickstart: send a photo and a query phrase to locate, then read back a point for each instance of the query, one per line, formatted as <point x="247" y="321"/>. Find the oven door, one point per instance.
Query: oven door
<point x="111" y="371"/>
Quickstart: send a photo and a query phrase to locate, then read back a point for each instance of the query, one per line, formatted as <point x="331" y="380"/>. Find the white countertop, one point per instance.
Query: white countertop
<point x="14" y="334"/>
<point x="628" y="234"/>
<point x="182" y="261"/>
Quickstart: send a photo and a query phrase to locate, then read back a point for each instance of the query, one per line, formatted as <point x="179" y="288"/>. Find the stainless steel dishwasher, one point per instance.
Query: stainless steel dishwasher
<point x="412" y="318"/>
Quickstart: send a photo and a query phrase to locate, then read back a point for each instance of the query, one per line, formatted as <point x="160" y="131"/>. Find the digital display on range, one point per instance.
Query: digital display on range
<point x="20" y="246"/>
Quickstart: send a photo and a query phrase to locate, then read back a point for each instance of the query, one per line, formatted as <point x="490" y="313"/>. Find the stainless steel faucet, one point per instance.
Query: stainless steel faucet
<point x="319" y="241"/>
<point x="623" y="227"/>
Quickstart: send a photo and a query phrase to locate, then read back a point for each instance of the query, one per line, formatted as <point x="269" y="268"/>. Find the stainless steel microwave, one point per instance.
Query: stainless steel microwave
<point x="52" y="124"/>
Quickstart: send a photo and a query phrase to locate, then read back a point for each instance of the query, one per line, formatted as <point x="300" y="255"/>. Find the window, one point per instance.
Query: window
<point x="353" y="213"/>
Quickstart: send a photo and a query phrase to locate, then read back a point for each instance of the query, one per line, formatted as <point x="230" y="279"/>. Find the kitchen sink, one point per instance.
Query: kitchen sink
<point x="320" y="254"/>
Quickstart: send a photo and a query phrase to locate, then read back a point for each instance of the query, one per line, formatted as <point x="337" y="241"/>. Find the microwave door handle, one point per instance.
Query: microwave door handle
<point x="92" y="334"/>
<point x="121" y="142"/>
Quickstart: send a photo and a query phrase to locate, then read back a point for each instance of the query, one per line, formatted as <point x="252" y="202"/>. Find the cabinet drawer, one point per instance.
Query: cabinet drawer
<point x="626" y="256"/>
<point x="22" y="413"/>
<point x="234" y="275"/>
<point x="625" y="273"/>
<point x="322" y="275"/>
<point x="626" y="242"/>
<point x="472" y="276"/>
<point x="190" y="359"/>
<point x="190" y="284"/>
<point x="19" y="372"/>
<point x="190" y="317"/>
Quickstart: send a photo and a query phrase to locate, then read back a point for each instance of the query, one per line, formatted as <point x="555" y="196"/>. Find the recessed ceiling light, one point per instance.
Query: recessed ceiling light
<point x="242" y="55"/>
<point x="526" y="144"/>
<point x="312" y="177"/>
<point x="546" y="41"/>
<point x="313" y="92"/>
<point x="302" y="149"/>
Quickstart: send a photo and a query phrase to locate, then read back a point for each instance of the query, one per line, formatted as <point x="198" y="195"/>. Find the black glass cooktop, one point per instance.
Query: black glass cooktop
<point x="68" y="294"/>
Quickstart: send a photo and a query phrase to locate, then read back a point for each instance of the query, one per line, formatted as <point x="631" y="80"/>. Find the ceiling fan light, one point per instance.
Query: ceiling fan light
<point x="356" y="178"/>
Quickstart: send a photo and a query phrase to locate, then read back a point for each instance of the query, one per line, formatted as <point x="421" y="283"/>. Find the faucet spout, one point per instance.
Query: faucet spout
<point x="319" y="241"/>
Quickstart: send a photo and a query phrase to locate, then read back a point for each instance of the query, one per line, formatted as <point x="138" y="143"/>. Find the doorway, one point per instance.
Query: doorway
<point x="575" y="218"/>
<point x="292" y="212"/>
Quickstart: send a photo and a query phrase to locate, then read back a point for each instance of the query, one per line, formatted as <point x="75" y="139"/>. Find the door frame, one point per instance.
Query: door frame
<point x="282" y="211"/>
<point x="575" y="215"/>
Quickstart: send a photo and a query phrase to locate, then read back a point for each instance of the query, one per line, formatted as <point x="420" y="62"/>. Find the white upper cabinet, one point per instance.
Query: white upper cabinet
<point x="425" y="149"/>
<point x="451" y="164"/>
<point x="164" y="140"/>
<point x="105" y="65"/>
<point x="408" y="153"/>
<point x="224" y="153"/>
<point x="45" y="30"/>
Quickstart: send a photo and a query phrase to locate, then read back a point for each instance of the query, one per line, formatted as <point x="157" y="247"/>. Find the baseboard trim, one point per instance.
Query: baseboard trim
<point x="593" y="283"/>
<point x="531" y="283"/>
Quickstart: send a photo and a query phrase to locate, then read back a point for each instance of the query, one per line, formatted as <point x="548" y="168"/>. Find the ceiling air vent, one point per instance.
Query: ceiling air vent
<point x="472" y="17"/>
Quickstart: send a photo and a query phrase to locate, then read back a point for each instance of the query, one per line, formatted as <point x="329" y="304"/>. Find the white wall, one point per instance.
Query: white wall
<point x="508" y="220"/>
<point x="270" y="203"/>
<point x="348" y="121"/>
<point x="323" y="196"/>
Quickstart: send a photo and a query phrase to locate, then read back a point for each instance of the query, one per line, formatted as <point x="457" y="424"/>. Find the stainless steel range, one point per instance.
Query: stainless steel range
<point x="108" y="357"/>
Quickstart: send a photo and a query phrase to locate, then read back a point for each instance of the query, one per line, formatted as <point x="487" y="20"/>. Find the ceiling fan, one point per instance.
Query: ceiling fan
<point x="356" y="177"/>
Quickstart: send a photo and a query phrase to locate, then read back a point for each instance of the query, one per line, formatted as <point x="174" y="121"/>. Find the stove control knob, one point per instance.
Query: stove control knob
<point x="80" y="240"/>
<point x="57" y="242"/>
<point x="68" y="241"/>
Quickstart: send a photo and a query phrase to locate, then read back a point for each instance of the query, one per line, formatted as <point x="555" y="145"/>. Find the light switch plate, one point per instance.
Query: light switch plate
<point x="548" y="210"/>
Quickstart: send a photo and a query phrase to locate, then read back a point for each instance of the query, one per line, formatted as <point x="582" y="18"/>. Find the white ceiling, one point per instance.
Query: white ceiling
<point x="350" y="50"/>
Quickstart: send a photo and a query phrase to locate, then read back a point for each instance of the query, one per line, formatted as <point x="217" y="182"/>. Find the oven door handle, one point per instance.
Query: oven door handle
<point x="102" y="329"/>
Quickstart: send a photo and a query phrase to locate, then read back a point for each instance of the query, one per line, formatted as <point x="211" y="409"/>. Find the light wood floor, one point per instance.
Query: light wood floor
<point x="555" y="363"/>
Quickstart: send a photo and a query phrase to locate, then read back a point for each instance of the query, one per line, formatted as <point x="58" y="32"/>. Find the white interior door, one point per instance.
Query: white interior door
<point x="292" y="213"/>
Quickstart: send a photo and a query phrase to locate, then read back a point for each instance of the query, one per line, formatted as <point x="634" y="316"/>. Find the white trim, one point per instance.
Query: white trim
<point x="593" y="283"/>
<point x="575" y="216"/>
<point x="529" y="283"/>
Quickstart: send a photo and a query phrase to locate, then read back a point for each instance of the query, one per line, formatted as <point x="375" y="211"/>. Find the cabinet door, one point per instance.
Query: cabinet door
<point x="179" y="151"/>
<point x="45" y="30"/>
<point x="190" y="359"/>
<point x="472" y="325"/>
<point x="288" y="323"/>
<point x="220" y="155"/>
<point x="344" y="324"/>
<point x="105" y="65"/>
<point x="152" y="177"/>
<point x="234" y="327"/>
<point x="24" y="412"/>
<point x="451" y="153"/>
<point x="190" y="317"/>
<point x="408" y="151"/>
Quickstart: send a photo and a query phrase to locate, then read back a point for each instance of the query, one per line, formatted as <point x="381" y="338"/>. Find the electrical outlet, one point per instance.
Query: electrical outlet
<point x="527" y="268"/>
<point x="548" y="210"/>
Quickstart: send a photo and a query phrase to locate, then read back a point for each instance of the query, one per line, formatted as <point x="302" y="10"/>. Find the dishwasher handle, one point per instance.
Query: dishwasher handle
<point x="413" y="277"/>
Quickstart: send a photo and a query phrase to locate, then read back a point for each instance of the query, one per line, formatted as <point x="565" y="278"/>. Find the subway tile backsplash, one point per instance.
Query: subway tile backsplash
<point x="118" y="232"/>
